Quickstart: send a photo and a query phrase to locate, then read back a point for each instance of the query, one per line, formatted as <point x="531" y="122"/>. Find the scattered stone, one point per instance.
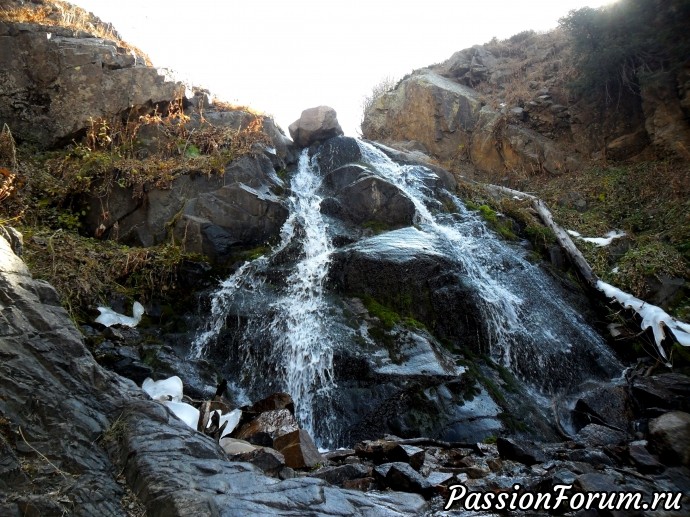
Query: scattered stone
<point x="593" y="435"/>
<point x="669" y="435"/>
<point x="362" y="484"/>
<point x="669" y="391"/>
<point x="232" y="446"/>
<point x="524" y="452"/>
<point x="642" y="458"/>
<point x="339" y="454"/>
<point x="314" y="125"/>
<point x="337" y="475"/>
<point x="441" y="478"/>
<point x="607" y="405"/>
<point x="268" y="426"/>
<point x="270" y="461"/>
<point x="299" y="450"/>
<point x="401" y="476"/>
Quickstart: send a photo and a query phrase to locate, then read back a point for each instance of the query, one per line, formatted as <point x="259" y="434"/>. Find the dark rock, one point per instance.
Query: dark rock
<point x="669" y="391"/>
<point x="522" y="451"/>
<point x="299" y="449"/>
<point x="643" y="459"/>
<point x="315" y="125"/>
<point x="343" y="176"/>
<point x="270" y="461"/>
<point x="595" y="482"/>
<point x="441" y="478"/>
<point x="593" y="457"/>
<point x="272" y="402"/>
<point x="337" y="475"/>
<point x="373" y="200"/>
<point x="593" y="435"/>
<point x="336" y="152"/>
<point x="410" y="454"/>
<point x="607" y="405"/>
<point x="669" y="435"/>
<point x="378" y="451"/>
<point x="123" y="360"/>
<point x="339" y="455"/>
<point x="402" y="477"/>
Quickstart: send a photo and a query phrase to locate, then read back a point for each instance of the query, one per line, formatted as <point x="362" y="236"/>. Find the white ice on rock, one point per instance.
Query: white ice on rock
<point x="165" y="390"/>
<point x="169" y="392"/>
<point x="599" y="241"/>
<point x="109" y="317"/>
<point x="652" y="316"/>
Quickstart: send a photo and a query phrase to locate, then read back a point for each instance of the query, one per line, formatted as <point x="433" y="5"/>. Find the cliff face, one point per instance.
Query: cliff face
<point x="507" y="106"/>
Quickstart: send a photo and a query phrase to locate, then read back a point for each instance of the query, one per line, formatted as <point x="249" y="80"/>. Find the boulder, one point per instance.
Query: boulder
<point x="270" y="461"/>
<point x="268" y="426"/>
<point x="336" y="152"/>
<point x="429" y="108"/>
<point x="233" y="446"/>
<point x="522" y="451"/>
<point x="299" y="450"/>
<point x="376" y="201"/>
<point x="607" y="405"/>
<point x="402" y="477"/>
<point x="56" y="80"/>
<point x="315" y="125"/>
<point x="669" y="435"/>
<point x="337" y="475"/>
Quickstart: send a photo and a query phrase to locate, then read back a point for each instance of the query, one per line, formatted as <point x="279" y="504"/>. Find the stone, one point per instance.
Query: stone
<point x="339" y="454"/>
<point x="373" y="200"/>
<point x="337" y="475"/>
<point x="314" y="125"/>
<point x="669" y="436"/>
<point x="608" y="405"/>
<point x="274" y="401"/>
<point x="269" y="425"/>
<point x="299" y="450"/>
<point x="337" y="152"/>
<point x="522" y="451"/>
<point x="401" y="476"/>
<point x="233" y="446"/>
<point x="667" y="391"/>
<point x="642" y="458"/>
<point x="361" y="484"/>
<point x="593" y="435"/>
<point x="270" y="461"/>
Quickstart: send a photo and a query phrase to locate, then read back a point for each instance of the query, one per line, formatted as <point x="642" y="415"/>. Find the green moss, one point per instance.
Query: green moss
<point x="376" y="227"/>
<point x="388" y="317"/>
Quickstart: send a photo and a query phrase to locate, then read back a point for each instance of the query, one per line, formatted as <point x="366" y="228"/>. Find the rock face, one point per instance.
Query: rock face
<point x="74" y="425"/>
<point x="58" y="79"/>
<point x="315" y="125"/>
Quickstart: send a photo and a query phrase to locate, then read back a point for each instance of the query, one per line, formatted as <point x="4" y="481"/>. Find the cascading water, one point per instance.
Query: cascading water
<point x="530" y="327"/>
<point x="278" y="329"/>
<point x="295" y="319"/>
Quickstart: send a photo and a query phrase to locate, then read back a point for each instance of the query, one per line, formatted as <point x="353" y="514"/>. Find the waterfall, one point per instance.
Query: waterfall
<point x="531" y="329"/>
<point x="295" y="320"/>
<point x="277" y="328"/>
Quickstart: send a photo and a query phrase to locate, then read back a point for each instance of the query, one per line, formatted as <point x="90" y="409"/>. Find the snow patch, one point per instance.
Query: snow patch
<point x="109" y="317"/>
<point x="599" y="241"/>
<point x="165" y="390"/>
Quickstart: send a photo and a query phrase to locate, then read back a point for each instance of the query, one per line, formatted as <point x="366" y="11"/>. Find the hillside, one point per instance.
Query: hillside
<point x="593" y="117"/>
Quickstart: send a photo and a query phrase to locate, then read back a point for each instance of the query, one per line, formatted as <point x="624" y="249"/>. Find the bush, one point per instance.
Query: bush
<point x="614" y="45"/>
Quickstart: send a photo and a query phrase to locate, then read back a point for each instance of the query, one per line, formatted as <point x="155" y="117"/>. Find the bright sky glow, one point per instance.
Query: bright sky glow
<point x="281" y="57"/>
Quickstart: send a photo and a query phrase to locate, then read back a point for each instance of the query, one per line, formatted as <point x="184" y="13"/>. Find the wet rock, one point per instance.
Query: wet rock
<point x="299" y="450"/>
<point x="596" y="482"/>
<point x="337" y="152"/>
<point x="524" y="452"/>
<point x="388" y="451"/>
<point x="337" y="475"/>
<point x="344" y="176"/>
<point x="272" y="402"/>
<point x="594" y="457"/>
<point x="270" y="461"/>
<point x="268" y="426"/>
<point x="339" y="455"/>
<point x="669" y="435"/>
<point x="373" y="200"/>
<point x="607" y="405"/>
<point x="314" y="125"/>
<point x="441" y="478"/>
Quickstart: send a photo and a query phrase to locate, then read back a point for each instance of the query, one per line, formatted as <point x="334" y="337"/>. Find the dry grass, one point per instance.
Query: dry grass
<point x="56" y="13"/>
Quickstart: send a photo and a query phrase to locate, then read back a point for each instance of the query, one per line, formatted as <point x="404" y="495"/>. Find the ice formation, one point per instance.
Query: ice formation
<point x="599" y="241"/>
<point x="109" y="317"/>
<point x="652" y="316"/>
<point x="169" y="389"/>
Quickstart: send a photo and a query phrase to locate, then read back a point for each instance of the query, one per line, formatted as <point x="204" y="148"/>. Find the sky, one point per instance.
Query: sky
<point x="281" y="57"/>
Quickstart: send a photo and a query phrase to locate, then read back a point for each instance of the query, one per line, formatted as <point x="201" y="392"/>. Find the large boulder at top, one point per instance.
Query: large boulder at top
<point x="54" y="80"/>
<point x="315" y="125"/>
